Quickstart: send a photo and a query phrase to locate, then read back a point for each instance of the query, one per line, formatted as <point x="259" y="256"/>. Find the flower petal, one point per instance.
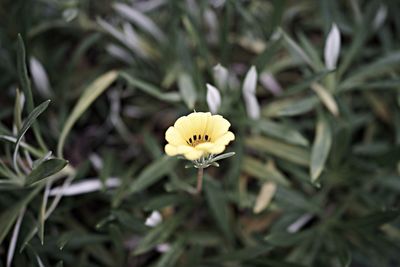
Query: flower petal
<point x="184" y="149"/>
<point x="174" y="137"/>
<point x="225" y="139"/>
<point x="211" y="148"/>
<point x="199" y="122"/>
<point x="217" y="126"/>
<point x="194" y="154"/>
<point x="171" y="150"/>
<point x="184" y="127"/>
<point x="205" y="146"/>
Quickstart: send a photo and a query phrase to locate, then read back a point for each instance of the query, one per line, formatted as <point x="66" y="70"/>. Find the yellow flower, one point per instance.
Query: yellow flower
<point x="198" y="134"/>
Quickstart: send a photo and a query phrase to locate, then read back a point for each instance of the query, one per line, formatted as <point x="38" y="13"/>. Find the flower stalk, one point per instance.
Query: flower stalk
<point x="200" y="173"/>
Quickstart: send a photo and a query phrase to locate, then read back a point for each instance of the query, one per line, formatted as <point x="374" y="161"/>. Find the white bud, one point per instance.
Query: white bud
<point x="154" y="219"/>
<point x="332" y="47"/>
<point x="213" y="98"/>
<point x="249" y="94"/>
<point x="221" y="76"/>
<point x="40" y="78"/>
<point x="270" y="83"/>
<point x="380" y="17"/>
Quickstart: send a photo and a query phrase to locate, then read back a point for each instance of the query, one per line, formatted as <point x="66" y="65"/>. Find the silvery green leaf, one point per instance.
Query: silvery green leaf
<point x="87" y="186"/>
<point x="332" y="47"/>
<point x="213" y="98"/>
<point x="222" y="156"/>
<point x="380" y="17"/>
<point x="120" y="53"/>
<point x="140" y="20"/>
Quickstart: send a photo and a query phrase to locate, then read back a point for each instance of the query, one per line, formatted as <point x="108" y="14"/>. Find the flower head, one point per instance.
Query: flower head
<point x="198" y="135"/>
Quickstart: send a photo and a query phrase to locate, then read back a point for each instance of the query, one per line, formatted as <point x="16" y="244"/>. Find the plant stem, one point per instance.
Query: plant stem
<point x="199" y="180"/>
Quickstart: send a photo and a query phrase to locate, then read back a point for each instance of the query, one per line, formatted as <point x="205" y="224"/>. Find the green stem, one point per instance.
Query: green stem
<point x="199" y="180"/>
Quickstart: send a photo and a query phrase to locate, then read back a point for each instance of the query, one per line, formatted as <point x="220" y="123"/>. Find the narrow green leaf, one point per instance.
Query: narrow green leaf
<point x="41" y="160"/>
<point x="151" y="89"/>
<point x="8" y="217"/>
<point x="267" y="55"/>
<point x="46" y="169"/>
<point x="281" y="131"/>
<point x="293" y="199"/>
<point x="275" y="263"/>
<point x="42" y="212"/>
<point x="259" y="170"/>
<point x="290" y="107"/>
<point x="153" y="173"/>
<point x="218" y="205"/>
<point x="18" y="110"/>
<point x="23" y="74"/>
<point x="160" y="233"/>
<point x="305" y="83"/>
<point x="187" y="90"/>
<point x="27" y="124"/>
<point x="287" y="239"/>
<point x="223" y="156"/>
<point x="242" y="254"/>
<point x="296" y="50"/>
<point x="277" y="148"/>
<point x="321" y="147"/>
<point x="372" y="220"/>
<point x="92" y="92"/>
<point x="171" y="257"/>
<point x="26" y="85"/>
<point x="160" y="201"/>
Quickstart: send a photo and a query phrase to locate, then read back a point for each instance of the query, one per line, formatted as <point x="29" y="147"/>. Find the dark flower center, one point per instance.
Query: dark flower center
<point x="198" y="139"/>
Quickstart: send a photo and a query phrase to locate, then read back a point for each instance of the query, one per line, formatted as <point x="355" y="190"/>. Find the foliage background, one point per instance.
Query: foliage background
<point x="315" y="179"/>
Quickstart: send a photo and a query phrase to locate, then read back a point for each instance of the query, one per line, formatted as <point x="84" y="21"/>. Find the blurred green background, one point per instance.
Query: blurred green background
<point x="312" y="91"/>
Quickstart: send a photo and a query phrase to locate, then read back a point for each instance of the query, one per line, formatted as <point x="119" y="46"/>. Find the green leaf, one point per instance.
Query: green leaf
<point x="290" y="107"/>
<point x="223" y="156"/>
<point x="171" y="257"/>
<point x="8" y="217"/>
<point x="18" y="110"/>
<point x="296" y="50"/>
<point x="163" y="200"/>
<point x="373" y="220"/>
<point x="41" y="160"/>
<point x="321" y="147"/>
<point x="305" y="83"/>
<point x="187" y="90"/>
<point x="26" y="85"/>
<point x="150" y="89"/>
<point x="287" y="239"/>
<point x="153" y="173"/>
<point x="27" y="124"/>
<point x="281" y="131"/>
<point x="160" y="233"/>
<point x="275" y="263"/>
<point x="267" y="55"/>
<point x="261" y="171"/>
<point x="294" y="199"/>
<point x="218" y="205"/>
<point x="376" y="68"/>
<point x="242" y="254"/>
<point x="282" y="150"/>
<point x="23" y="74"/>
<point x="44" y="170"/>
<point x="92" y="92"/>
